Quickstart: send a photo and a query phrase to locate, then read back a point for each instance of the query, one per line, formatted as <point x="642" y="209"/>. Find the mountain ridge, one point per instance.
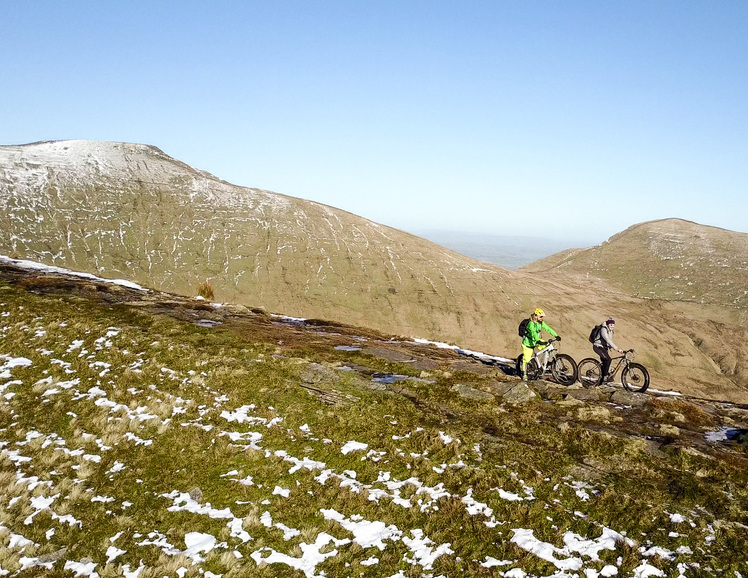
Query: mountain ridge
<point x="663" y="259"/>
<point x="176" y="224"/>
<point x="125" y="210"/>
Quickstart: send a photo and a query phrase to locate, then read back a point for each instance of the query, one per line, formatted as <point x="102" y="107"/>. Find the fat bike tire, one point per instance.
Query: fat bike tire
<point x="533" y="370"/>
<point x="590" y="372"/>
<point x="564" y="369"/>
<point x="635" y="378"/>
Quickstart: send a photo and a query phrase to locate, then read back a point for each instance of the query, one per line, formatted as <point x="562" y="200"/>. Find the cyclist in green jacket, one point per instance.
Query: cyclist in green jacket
<point x="531" y="340"/>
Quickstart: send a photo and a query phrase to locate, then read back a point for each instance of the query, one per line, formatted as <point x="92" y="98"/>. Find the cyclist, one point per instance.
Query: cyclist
<point x="602" y="344"/>
<point x="531" y="339"/>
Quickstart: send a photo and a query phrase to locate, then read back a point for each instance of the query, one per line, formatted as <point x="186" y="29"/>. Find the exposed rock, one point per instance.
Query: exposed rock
<point x="475" y="367"/>
<point x="514" y="393"/>
<point x="316" y="373"/>
<point x="569" y="400"/>
<point x="424" y="364"/>
<point x="197" y="495"/>
<point x="404" y="391"/>
<point x="623" y="397"/>
<point x="390" y="354"/>
<point x="467" y="392"/>
<point x="594" y="413"/>
<point x="548" y="390"/>
<point x="53" y="556"/>
<point x="591" y="394"/>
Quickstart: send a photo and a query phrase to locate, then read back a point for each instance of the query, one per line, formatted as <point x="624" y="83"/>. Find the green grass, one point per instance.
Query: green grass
<point x="159" y="363"/>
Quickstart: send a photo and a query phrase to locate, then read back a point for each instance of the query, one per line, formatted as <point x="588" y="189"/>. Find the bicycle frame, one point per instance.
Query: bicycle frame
<point x="549" y="360"/>
<point x="545" y="353"/>
<point x="622" y="360"/>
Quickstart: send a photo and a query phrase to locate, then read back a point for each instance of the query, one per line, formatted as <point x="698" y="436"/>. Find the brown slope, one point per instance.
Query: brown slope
<point x="685" y="279"/>
<point x="130" y="211"/>
<point x="127" y="210"/>
<point x="670" y="259"/>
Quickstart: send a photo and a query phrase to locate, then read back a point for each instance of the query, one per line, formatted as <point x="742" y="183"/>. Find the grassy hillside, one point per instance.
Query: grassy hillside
<point x="121" y="210"/>
<point x="146" y="434"/>
<point x="670" y="259"/>
<point x="690" y="278"/>
<point x="130" y="211"/>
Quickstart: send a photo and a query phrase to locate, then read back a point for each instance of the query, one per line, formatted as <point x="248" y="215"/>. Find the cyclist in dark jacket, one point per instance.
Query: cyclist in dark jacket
<point x="603" y="343"/>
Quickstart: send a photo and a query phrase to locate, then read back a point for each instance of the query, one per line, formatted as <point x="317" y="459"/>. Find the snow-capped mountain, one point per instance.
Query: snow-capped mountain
<point x="128" y="210"/>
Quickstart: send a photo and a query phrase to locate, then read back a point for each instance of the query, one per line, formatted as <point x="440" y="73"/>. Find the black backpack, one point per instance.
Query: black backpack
<point x="522" y="329"/>
<point x="595" y="333"/>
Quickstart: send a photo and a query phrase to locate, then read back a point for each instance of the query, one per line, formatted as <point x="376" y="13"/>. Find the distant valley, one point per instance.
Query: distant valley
<point x="510" y="252"/>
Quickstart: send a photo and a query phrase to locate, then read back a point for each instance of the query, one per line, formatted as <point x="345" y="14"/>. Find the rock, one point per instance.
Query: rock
<point x="404" y="391"/>
<point x="317" y="373"/>
<point x="424" y="364"/>
<point x="569" y="400"/>
<point x="53" y="556"/>
<point x="669" y="430"/>
<point x="623" y="397"/>
<point x="592" y="394"/>
<point x="390" y="354"/>
<point x="467" y="392"/>
<point x="514" y="393"/>
<point x="197" y="495"/>
<point x="594" y="413"/>
<point x="472" y="366"/>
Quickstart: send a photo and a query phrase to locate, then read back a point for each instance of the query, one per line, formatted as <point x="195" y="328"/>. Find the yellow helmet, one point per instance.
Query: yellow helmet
<point x="539" y="312"/>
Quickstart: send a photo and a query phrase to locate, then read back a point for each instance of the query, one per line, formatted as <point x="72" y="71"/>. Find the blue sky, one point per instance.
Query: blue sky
<point x="565" y="120"/>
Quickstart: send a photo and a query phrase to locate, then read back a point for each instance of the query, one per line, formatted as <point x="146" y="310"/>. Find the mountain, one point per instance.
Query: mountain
<point x="670" y="259"/>
<point x="695" y="277"/>
<point x="127" y="210"/>
<point x="121" y="210"/>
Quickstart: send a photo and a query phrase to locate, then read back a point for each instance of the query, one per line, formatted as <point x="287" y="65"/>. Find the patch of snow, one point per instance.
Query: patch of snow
<point x="33" y="266"/>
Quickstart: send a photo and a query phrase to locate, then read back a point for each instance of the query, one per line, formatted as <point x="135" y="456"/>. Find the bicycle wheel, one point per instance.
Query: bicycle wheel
<point x="533" y="370"/>
<point x="564" y="369"/>
<point x="590" y="372"/>
<point x="635" y="378"/>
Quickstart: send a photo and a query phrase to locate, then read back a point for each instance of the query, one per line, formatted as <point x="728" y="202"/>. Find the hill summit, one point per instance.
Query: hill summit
<point x="669" y="259"/>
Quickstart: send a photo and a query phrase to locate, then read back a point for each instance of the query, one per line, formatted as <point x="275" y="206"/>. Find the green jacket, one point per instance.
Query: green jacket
<point x="532" y="334"/>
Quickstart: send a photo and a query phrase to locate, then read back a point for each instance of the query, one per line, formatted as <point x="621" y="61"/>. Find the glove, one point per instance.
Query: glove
<point x="558" y="338"/>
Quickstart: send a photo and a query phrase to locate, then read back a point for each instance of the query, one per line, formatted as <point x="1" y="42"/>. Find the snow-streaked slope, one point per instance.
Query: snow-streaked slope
<point x="98" y="426"/>
<point x="120" y="210"/>
<point x="117" y="209"/>
<point x="669" y="259"/>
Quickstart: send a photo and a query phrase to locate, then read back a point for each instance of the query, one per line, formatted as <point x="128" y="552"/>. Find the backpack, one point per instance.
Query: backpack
<point x="522" y="329"/>
<point x="595" y="333"/>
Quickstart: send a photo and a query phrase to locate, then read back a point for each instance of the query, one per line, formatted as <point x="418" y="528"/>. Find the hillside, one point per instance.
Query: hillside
<point x="130" y="211"/>
<point x="672" y="259"/>
<point x="149" y="434"/>
<point x="123" y="210"/>
<point x="695" y="276"/>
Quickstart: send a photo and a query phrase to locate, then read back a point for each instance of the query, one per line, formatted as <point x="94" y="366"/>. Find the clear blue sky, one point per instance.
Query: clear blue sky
<point x="571" y="119"/>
